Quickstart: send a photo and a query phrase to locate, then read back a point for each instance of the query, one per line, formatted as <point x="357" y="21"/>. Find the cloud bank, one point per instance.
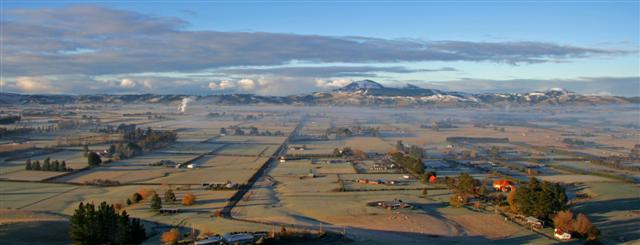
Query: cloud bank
<point x="93" y="49"/>
<point x="94" y="40"/>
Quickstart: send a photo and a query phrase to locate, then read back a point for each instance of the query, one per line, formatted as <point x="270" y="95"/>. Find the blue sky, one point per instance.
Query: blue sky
<point x="586" y="46"/>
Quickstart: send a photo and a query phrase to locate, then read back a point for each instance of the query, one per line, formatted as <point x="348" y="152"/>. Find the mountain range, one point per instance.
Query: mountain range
<point x="359" y="93"/>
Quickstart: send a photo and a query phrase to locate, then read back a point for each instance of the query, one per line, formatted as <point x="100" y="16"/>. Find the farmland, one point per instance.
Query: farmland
<point x="335" y="172"/>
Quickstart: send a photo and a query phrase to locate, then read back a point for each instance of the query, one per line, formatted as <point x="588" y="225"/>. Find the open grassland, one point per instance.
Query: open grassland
<point x="251" y="139"/>
<point x="614" y="209"/>
<point x="216" y="169"/>
<point x="369" y="144"/>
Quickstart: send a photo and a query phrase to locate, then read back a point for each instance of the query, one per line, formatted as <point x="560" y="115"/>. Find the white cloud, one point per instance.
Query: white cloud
<point x="337" y="83"/>
<point x="127" y="83"/>
<point x="29" y="85"/>
<point x="226" y="84"/>
<point x="213" y="85"/>
<point x="148" y="84"/>
<point x="246" y="84"/>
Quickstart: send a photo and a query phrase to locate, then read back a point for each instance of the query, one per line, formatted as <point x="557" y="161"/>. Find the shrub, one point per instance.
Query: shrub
<point x="93" y="159"/>
<point x="188" y="199"/>
<point x="563" y="220"/>
<point x="171" y="236"/>
<point x="457" y="201"/>
<point x="136" y="197"/>
<point x="582" y="225"/>
<point x="146" y="193"/>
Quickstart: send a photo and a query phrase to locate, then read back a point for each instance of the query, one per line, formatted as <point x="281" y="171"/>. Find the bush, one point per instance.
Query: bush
<point x="582" y="225"/>
<point x="188" y="199"/>
<point x="170" y="237"/>
<point x="136" y="197"/>
<point x="93" y="159"/>
<point x="563" y="220"/>
<point x="457" y="201"/>
<point x="146" y="193"/>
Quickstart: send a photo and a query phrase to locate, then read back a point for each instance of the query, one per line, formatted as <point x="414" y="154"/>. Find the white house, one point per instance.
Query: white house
<point x="561" y="235"/>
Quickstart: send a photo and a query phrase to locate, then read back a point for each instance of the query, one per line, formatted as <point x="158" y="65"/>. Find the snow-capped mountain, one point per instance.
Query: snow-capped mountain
<point x="366" y="92"/>
<point x="363" y="85"/>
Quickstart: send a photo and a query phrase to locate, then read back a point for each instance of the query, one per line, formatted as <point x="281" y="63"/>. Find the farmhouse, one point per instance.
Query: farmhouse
<point x="395" y="204"/>
<point x="503" y="185"/>
<point x="297" y="148"/>
<point x="561" y="234"/>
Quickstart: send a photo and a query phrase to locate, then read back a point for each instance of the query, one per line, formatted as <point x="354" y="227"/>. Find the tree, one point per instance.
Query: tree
<point x="129" y="202"/>
<point x="337" y="152"/>
<point x="594" y="233"/>
<point x="46" y="166"/>
<point x="93" y="159"/>
<point x="582" y="225"/>
<point x="465" y="185"/>
<point x="540" y="199"/>
<point x="136" y="197"/>
<point x="104" y="225"/>
<point x="188" y="199"/>
<point x="511" y="199"/>
<point x="28" y="164"/>
<point x="457" y="200"/>
<point x="156" y="203"/>
<point x="482" y="191"/>
<point x="169" y="196"/>
<point x="253" y="131"/>
<point x="85" y="149"/>
<point x="564" y="220"/>
<point x="63" y="166"/>
<point x="36" y="166"/>
<point x="170" y="237"/>
<point x="55" y="166"/>
<point x="239" y="131"/>
<point x="223" y="131"/>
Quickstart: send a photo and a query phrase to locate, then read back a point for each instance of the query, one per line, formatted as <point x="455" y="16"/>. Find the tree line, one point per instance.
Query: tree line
<point x="104" y="225"/>
<point x="47" y="165"/>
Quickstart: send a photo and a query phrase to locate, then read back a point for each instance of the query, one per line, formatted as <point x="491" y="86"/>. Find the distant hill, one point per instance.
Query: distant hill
<point x="360" y="93"/>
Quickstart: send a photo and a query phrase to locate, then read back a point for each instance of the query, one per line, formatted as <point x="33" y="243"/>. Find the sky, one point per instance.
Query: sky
<point x="296" y="47"/>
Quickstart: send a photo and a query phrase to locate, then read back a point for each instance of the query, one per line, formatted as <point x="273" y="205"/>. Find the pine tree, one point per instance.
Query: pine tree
<point x="28" y="164"/>
<point x="46" y="166"/>
<point x="55" y="166"/>
<point x="156" y="203"/>
<point x="36" y="166"/>
<point x="137" y="232"/>
<point x="169" y="196"/>
<point x="128" y="202"/>
<point x="104" y="226"/>
<point x="63" y="166"/>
